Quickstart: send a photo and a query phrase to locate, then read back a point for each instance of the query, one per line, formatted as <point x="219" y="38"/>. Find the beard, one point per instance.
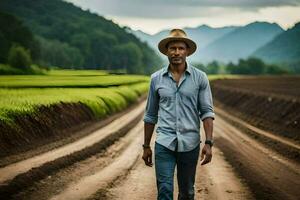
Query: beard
<point x="176" y="60"/>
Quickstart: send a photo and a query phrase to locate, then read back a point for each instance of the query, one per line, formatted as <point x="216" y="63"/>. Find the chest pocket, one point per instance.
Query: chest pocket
<point x="166" y="94"/>
<point x="189" y="96"/>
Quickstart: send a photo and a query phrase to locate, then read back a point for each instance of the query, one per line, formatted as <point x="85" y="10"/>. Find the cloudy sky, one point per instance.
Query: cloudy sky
<point x="153" y="16"/>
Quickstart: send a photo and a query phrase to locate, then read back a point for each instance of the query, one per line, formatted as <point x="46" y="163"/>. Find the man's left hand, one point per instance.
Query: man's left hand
<point x="206" y="150"/>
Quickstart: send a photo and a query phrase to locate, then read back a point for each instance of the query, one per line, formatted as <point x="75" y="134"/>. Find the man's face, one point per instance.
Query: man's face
<point x="177" y="52"/>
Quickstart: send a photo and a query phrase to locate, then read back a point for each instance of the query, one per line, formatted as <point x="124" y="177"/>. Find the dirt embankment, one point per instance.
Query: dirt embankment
<point x="268" y="110"/>
<point x="277" y="114"/>
<point x="19" y="176"/>
<point x="268" y="174"/>
<point x="58" y="123"/>
<point x="49" y="122"/>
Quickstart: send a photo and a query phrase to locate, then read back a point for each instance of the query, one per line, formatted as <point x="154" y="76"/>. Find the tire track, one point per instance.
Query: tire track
<point x="215" y="180"/>
<point x="268" y="174"/>
<point x="20" y="175"/>
<point x="89" y="185"/>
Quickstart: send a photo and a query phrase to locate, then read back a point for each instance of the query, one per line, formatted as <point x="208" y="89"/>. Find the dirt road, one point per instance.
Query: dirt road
<point x="241" y="168"/>
<point x="214" y="181"/>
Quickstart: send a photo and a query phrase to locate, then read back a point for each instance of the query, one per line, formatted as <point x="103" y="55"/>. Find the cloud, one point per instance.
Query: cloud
<point x="174" y="8"/>
<point x="237" y="3"/>
<point x="286" y="17"/>
<point x="161" y="14"/>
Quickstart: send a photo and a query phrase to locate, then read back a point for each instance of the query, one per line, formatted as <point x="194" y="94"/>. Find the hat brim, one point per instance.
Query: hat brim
<point x="162" y="45"/>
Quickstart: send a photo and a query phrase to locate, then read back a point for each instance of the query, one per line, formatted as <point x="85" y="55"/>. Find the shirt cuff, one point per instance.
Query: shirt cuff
<point x="208" y="114"/>
<point x="150" y="119"/>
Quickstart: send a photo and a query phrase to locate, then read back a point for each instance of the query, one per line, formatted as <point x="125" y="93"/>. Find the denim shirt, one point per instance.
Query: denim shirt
<point x="177" y="110"/>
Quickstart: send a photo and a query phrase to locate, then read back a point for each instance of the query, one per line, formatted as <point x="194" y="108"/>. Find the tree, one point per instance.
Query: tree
<point x="213" y="68"/>
<point x="55" y="53"/>
<point x="230" y="67"/>
<point x="13" y="31"/>
<point x="101" y="47"/>
<point x="255" y="66"/>
<point x="4" y="48"/>
<point x="249" y="66"/>
<point x="274" y="69"/>
<point x="200" y="66"/>
<point x="128" y="56"/>
<point x="19" y="57"/>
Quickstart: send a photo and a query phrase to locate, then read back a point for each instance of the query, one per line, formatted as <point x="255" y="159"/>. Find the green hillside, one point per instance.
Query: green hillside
<point x="12" y="31"/>
<point x="72" y="38"/>
<point x="283" y="49"/>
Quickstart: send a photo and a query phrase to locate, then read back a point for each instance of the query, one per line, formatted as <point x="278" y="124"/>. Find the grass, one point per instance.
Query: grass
<point x="212" y="77"/>
<point x="72" y="72"/>
<point x="8" y="70"/>
<point x="102" y="101"/>
<point x="69" y="81"/>
<point x="101" y="92"/>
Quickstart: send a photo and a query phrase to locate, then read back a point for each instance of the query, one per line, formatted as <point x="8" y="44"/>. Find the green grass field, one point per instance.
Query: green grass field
<point x="101" y="101"/>
<point x="71" y="72"/>
<point x="212" y="77"/>
<point x="69" y="79"/>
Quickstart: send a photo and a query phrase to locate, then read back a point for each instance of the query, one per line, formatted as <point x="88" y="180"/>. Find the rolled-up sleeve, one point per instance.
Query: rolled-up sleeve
<point x="151" y="111"/>
<point x="205" y="100"/>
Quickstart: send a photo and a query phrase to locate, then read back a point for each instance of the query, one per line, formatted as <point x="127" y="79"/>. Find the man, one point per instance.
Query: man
<point x="179" y="96"/>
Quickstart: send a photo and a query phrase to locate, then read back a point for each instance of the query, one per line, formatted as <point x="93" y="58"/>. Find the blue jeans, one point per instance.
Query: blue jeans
<point x="165" y="162"/>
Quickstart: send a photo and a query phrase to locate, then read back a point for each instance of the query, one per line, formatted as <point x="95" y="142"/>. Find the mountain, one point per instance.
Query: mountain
<point x="284" y="48"/>
<point x="240" y="43"/>
<point x="73" y="38"/>
<point x="222" y="44"/>
<point x="202" y="35"/>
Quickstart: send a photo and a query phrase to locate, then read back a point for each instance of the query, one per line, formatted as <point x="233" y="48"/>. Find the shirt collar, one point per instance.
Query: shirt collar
<point x="166" y="69"/>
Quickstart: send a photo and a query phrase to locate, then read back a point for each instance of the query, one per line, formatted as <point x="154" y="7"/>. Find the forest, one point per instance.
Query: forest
<point x="56" y="33"/>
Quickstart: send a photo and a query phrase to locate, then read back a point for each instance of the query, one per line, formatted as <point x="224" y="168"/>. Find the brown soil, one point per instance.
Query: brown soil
<point x="283" y="146"/>
<point x="282" y="86"/>
<point x="277" y="113"/>
<point x="49" y="162"/>
<point x="47" y="122"/>
<point x="116" y="174"/>
<point x="213" y="181"/>
<point x="59" y="181"/>
<point x="252" y="172"/>
<point x="268" y="174"/>
<point x="49" y="128"/>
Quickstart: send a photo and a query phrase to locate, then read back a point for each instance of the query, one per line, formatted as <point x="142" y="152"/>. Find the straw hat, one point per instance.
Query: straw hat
<point x="177" y="35"/>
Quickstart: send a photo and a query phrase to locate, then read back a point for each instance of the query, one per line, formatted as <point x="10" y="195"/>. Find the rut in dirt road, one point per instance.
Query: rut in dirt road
<point x="242" y="168"/>
<point x="215" y="181"/>
<point x="17" y="176"/>
<point x="268" y="174"/>
<point x="89" y="185"/>
<point x="128" y="178"/>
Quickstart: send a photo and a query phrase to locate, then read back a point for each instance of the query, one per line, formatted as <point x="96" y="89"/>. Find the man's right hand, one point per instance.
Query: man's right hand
<point x="147" y="157"/>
